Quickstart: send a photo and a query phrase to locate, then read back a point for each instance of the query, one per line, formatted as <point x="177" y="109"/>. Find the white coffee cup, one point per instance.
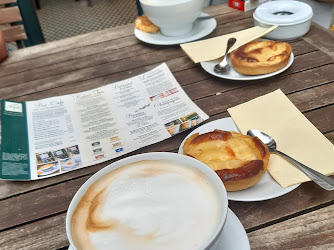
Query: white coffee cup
<point x="173" y="17"/>
<point x="210" y="176"/>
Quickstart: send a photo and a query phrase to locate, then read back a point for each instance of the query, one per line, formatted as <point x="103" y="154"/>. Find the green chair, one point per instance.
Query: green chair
<point x="30" y="22"/>
<point x="139" y="9"/>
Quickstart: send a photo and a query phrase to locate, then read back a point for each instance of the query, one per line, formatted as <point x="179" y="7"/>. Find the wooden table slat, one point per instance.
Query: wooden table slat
<point x="301" y="232"/>
<point x="48" y="233"/>
<point x="122" y="65"/>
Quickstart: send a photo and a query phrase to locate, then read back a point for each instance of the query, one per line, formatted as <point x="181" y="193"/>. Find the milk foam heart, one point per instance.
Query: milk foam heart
<point x="153" y="204"/>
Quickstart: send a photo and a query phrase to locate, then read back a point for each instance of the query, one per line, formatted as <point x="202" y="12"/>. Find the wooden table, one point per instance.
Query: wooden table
<point x="33" y="213"/>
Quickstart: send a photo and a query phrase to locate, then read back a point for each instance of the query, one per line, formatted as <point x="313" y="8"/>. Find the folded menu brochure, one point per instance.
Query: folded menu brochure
<point x="52" y="136"/>
<point x="295" y="135"/>
<point x="213" y="48"/>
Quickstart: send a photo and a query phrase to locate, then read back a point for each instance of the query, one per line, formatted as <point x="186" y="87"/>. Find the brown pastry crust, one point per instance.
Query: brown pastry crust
<point x="256" y="58"/>
<point x="144" y="24"/>
<point x="239" y="160"/>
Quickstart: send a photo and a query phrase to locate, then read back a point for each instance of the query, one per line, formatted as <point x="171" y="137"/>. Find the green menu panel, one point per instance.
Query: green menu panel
<point x="14" y="154"/>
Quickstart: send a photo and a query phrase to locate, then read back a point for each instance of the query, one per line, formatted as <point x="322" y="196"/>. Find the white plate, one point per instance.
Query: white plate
<point x="234" y="75"/>
<point x="267" y="188"/>
<point x="233" y="235"/>
<point x="201" y="29"/>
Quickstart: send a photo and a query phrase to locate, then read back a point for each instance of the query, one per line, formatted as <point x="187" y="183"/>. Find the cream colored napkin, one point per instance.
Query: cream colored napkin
<point x="296" y="136"/>
<point x="214" y="48"/>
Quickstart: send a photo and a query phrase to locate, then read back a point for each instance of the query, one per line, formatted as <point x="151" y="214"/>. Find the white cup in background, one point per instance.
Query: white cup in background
<point x="173" y="17"/>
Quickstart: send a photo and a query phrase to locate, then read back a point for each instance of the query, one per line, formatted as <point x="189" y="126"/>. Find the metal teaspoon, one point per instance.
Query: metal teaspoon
<point x="322" y="180"/>
<point x="224" y="65"/>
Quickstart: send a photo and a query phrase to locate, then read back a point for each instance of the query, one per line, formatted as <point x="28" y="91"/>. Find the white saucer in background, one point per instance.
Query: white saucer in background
<point x="267" y="188"/>
<point x="201" y="29"/>
<point x="233" y="235"/>
<point x="234" y="75"/>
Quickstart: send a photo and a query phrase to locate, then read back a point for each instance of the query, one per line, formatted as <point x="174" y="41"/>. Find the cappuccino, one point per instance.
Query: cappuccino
<point x="150" y="204"/>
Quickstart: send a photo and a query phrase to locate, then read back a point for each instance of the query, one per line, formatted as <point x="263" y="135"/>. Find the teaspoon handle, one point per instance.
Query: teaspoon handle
<point x="230" y="43"/>
<point x="322" y="180"/>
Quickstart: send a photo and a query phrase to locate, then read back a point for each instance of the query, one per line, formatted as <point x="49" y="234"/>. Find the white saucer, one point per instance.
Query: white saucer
<point x="267" y="188"/>
<point x="234" y="75"/>
<point x="233" y="235"/>
<point x="201" y="29"/>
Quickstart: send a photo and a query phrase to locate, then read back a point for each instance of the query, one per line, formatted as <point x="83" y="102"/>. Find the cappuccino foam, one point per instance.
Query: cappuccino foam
<point x="147" y="205"/>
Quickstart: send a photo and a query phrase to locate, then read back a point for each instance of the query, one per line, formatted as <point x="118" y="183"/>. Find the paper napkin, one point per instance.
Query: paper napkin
<point x="295" y="135"/>
<point x="214" y="48"/>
